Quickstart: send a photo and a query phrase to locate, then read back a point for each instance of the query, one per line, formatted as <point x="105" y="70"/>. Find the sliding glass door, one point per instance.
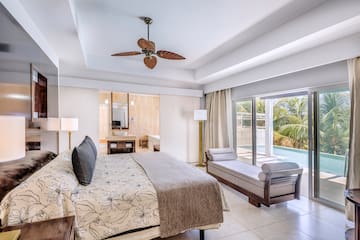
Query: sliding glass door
<point x="244" y="132"/>
<point x="274" y="129"/>
<point x="311" y="129"/>
<point x="331" y="144"/>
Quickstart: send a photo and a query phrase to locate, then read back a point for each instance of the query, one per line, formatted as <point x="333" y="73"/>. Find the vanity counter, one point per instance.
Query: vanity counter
<point x="121" y="144"/>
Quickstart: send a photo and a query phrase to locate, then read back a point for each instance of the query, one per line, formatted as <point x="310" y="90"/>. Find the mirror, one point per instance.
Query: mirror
<point x="120" y="110"/>
<point x="38" y="94"/>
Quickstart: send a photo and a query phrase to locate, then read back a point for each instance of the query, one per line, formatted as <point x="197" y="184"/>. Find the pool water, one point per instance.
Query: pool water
<point x="329" y="163"/>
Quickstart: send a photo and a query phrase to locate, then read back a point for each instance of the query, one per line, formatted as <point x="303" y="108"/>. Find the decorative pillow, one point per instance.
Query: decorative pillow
<point x="92" y="144"/>
<point x="221" y="154"/>
<point x="83" y="160"/>
<point x="278" y="166"/>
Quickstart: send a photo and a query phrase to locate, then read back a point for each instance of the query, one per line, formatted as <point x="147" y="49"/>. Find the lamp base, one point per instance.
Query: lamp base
<point x="69" y="140"/>
<point x="201" y="155"/>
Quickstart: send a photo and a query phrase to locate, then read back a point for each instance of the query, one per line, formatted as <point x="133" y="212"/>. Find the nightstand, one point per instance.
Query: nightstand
<point x="54" y="229"/>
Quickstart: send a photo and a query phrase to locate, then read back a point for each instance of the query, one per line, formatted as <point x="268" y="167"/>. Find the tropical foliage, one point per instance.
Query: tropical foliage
<point x="290" y="121"/>
<point x="334" y="124"/>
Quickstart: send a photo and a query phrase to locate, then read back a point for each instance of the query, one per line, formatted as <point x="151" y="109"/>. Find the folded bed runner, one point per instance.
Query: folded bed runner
<point x="188" y="198"/>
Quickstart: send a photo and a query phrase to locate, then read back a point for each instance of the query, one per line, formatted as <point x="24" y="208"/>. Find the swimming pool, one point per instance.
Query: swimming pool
<point x="329" y="163"/>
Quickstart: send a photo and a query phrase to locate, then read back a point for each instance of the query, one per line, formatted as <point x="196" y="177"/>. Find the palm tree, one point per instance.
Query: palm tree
<point x="291" y="124"/>
<point x="290" y="121"/>
<point x="334" y="124"/>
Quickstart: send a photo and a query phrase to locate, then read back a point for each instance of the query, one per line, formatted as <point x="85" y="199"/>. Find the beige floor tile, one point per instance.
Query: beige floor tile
<point x="306" y="205"/>
<point x="229" y="227"/>
<point x="284" y="211"/>
<point x="243" y="236"/>
<point x="317" y="229"/>
<point x="252" y="217"/>
<point x="331" y="216"/>
<point x="283" y="230"/>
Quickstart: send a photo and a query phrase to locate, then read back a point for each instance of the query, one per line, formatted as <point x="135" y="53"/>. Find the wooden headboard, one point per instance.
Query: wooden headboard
<point x="15" y="172"/>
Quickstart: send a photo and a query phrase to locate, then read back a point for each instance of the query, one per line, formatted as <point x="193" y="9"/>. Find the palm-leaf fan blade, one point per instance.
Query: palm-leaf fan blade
<point x="169" y="55"/>
<point x="146" y="44"/>
<point x="142" y="43"/>
<point x="133" y="53"/>
<point x="150" y="61"/>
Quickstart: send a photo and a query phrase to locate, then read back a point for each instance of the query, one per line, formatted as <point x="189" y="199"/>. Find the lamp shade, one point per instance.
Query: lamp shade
<point x="12" y="138"/>
<point x="52" y="124"/>
<point x="200" y="114"/>
<point x="69" y="124"/>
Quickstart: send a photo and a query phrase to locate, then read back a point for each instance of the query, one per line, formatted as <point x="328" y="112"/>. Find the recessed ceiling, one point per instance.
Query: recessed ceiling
<point x="190" y="28"/>
<point x="218" y="38"/>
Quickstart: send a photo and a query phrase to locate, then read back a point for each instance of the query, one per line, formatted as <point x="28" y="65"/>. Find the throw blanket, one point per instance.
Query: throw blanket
<point x="188" y="198"/>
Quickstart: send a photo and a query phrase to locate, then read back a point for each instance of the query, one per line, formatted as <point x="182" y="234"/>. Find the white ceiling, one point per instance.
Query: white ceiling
<point x="18" y="50"/>
<point x="192" y="28"/>
<point x="219" y="38"/>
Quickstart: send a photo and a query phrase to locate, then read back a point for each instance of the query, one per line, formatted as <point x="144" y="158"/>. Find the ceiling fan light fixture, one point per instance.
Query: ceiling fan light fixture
<point x="148" y="48"/>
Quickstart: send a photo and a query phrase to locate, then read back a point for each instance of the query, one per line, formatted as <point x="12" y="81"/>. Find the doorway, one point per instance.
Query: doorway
<point x="274" y="129"/>
<point x="331" y="143"/>
<point x="308" y="128"/>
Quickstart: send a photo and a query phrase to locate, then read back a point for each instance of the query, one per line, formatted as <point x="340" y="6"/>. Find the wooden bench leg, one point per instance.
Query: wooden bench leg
<point x="254" y="202"/>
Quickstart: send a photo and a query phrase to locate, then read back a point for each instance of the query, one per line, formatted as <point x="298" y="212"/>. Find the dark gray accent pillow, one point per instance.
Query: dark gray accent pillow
<point x="92" y="144"/>
<point x="83" y="160"/>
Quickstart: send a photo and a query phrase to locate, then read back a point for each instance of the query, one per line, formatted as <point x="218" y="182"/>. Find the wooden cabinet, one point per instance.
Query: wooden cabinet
<point x="124" y="144"/>
<point x="55" y="229"/>
<point x="33" y="139"/>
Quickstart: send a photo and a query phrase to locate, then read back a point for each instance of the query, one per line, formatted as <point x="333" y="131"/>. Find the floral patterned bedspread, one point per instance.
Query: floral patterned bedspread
<point x="119" y="198"/>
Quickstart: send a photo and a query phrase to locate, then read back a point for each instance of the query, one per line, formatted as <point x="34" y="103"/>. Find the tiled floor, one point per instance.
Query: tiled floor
<point x="297" y="219"/>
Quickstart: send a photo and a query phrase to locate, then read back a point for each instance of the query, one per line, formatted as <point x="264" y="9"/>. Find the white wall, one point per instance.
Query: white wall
<point x="179" y="133"/>
<point x="84" y="105"/>
<point x="331" y="74"/>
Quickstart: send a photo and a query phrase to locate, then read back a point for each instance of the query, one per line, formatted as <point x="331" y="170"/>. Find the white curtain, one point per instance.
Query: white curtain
<point x="353" y="174"/>
<point x="218" y="128"/>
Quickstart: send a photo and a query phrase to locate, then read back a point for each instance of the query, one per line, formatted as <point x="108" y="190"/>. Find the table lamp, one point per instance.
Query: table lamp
<point x="200" y="115"/>
<point x="70" y="125"/>
<point x="12" y="139"/>
<point x="53" y="125"/>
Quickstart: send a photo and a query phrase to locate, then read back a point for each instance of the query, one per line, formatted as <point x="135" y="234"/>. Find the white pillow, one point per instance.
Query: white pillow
<point x="221" y="154"/>
<point x="278" y="166"/>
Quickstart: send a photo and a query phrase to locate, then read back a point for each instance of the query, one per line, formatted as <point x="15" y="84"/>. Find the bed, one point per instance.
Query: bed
<point x="121" y="202"/>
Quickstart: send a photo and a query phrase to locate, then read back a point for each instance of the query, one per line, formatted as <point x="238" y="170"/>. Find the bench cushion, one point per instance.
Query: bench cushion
<point x="246" y="176"/>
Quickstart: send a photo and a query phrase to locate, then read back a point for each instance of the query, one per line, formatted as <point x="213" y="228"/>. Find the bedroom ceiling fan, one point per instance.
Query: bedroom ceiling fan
<point x="148" y="48"/>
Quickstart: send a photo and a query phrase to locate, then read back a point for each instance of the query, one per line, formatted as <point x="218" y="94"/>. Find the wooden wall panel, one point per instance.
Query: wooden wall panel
<point x="144" y="115"/>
